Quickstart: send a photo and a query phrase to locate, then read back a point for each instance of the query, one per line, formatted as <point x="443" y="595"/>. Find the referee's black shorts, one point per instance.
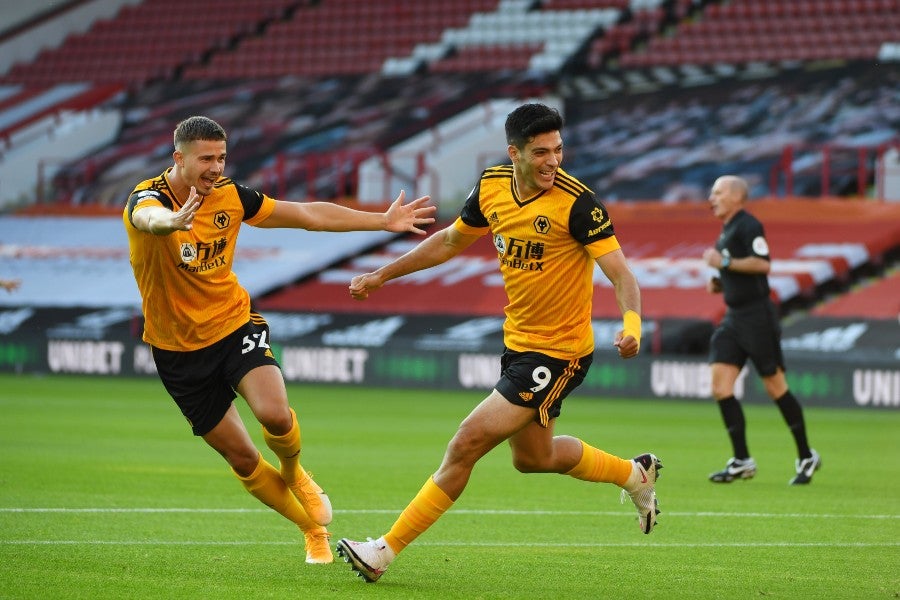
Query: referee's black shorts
<point x="752" y="332"/>
<point x="203" y="382"/>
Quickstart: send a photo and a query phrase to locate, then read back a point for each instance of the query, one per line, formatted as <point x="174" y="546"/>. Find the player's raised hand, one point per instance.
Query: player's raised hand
<point x="405" y="217"/>
<point x="183" y="218"/>
<point x="361" y="285"/>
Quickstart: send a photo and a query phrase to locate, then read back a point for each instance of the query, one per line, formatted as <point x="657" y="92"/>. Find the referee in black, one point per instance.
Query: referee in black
<point x="750" y="329"/>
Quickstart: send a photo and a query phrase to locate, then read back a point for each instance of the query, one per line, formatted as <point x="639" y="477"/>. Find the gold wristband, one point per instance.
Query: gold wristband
<point x="631" y="325"/>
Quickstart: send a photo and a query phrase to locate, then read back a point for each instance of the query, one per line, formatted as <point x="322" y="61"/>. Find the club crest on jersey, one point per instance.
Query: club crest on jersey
<point x="222" y="219"/>
<point x="541" y="224"/>
<point x="499" y="244"/>
<point x="188" y="252"/>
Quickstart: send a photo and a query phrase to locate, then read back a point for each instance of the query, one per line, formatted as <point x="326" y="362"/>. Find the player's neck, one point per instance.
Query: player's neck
<point x="177" y="185"/>
<point x="522" y="192"/>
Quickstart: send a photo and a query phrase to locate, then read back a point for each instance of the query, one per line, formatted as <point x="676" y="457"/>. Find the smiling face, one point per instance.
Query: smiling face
<point x="199" y="163"/>
<point x="536" y="163"/>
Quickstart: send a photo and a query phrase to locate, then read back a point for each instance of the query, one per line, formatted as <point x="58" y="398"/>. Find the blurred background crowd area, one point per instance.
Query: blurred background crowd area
<point x="354" y="100"/>
<point x="659" y="96"/>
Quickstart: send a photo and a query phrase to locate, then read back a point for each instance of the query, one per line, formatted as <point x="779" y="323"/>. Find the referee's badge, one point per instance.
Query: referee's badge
<point x="760" y="246"/>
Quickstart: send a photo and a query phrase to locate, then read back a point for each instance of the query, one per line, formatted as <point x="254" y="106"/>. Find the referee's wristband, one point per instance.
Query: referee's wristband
<point x="631" y="325"/>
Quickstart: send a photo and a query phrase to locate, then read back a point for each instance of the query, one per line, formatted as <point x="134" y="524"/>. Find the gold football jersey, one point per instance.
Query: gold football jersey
<point x="546" y="246"/>
<point x="191" y="297"/>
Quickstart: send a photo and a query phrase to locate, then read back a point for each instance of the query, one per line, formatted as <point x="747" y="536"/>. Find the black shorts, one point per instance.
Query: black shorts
<point x="752" y="332"/>
<point x="203" y="382"/>
<point x="541" y="382"/>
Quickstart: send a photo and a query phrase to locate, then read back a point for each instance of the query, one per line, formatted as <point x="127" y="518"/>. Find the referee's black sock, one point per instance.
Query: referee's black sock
<point x="733" y="415"/>
<point x="793" y="416"/>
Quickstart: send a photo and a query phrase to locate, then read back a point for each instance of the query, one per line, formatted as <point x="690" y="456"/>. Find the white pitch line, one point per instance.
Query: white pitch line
<point x="462" y="511"/>
<point x="469" y="544"/>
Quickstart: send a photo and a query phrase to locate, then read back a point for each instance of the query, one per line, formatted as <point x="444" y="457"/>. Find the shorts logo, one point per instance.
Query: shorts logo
<point x="526" y="396"/>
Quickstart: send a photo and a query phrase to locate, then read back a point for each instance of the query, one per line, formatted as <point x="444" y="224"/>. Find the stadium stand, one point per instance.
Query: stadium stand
<point x="670" y="143"/>
<point x="743" y="31"/>
<point x="66" y="261"/>
<point x="664" y="244"/>
<point x="874" y="298"/>
<point x="304" y="102"/>
<point x="147" y="41"/>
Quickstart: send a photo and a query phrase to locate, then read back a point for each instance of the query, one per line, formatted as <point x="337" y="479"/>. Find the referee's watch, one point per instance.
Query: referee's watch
<point x="726" y="262"/>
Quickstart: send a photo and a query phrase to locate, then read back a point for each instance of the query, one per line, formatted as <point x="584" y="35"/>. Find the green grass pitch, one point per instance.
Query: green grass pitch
<point x="104" y="493"/>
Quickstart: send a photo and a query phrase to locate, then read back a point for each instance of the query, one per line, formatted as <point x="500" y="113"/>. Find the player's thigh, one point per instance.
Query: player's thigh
<point x="493" y="421"/>
<point x="194" y="381"/>
<point x="264" y="390"/>
<point x="252" y="370"/>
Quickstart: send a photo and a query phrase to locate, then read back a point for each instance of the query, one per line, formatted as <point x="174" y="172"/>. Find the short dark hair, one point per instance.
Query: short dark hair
<point x="198" y="128"/>
<point x="530" y="120"/>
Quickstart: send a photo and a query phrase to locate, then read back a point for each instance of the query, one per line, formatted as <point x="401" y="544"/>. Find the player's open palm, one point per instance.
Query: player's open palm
<point x="183" y="218"/>
<point x="406" y="217"/>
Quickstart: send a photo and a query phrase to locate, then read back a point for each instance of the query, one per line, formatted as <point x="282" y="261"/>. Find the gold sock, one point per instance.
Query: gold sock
<point x="266" y="484"/>
<point x="287" y="448"/>
<point x="601" y="467"/>
<point x="426" y="508"/>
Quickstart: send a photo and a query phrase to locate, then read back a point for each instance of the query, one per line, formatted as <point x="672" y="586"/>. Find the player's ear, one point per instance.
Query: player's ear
<point x="513" y="152"/>
<point x="178" y="157"/>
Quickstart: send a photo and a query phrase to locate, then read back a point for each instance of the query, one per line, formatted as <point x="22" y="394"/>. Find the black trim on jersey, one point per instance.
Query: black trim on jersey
<point x="250" y="199"/>
<point x="471" y="213"/>
<point x="582" y="224"/>
<point x="569" y="184"/>
<point x="163" y="194"/>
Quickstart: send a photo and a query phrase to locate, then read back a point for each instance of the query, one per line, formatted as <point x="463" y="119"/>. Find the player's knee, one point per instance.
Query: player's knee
<point x="276" y="418"/>
<point x="243" y="461"/>
<point x="721" y="391"/>
<point x="524" y="463"/>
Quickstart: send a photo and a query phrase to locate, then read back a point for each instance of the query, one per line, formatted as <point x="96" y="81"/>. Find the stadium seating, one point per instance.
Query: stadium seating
<point x="875" y="298"/>
<point x="744" y="31"/>
<point x="146" y="42"/>
<point x="290" y="134"/>
<point x="664" y="244"/>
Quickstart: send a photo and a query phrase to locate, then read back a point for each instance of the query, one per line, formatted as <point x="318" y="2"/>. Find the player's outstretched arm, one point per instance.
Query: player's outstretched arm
<point x="434" y="250"/>
<point x="328" y="216"/>
<point x="159" y="220"/>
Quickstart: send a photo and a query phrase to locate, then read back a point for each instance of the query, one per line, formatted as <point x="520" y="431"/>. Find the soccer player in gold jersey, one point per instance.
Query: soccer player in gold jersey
<point x="207" y="342"/>
<point x="549" y="231"/>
